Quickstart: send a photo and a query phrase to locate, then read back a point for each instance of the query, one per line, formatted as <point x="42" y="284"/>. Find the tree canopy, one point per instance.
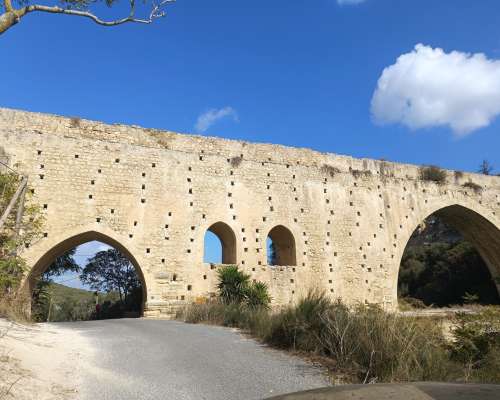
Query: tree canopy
<point x="109" y="271"/>
<point x="13" y="11"/>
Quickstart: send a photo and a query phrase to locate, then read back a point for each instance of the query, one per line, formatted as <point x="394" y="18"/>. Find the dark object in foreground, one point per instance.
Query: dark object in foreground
<point x="396" y="391"/>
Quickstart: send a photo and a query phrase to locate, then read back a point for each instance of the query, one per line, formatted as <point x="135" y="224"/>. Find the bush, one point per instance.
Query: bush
<point x="476" y="345"/>
<point x="433" y="173"/>
<point x="236" y="161"/>
<point x="474" y="186"/>
<point x="330" y="170"/>
<point x="232" y="284"/>
<point x="235" y="288"/>
<point x="257" y="295"/>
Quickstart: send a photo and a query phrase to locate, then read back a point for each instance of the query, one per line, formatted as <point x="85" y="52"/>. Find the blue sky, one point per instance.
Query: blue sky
<point x="300" y="73"/>
<point x="292" y="72"/>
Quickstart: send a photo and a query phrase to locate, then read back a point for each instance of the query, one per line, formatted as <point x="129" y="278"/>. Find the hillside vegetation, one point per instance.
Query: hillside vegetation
<point x="440" y="268"/>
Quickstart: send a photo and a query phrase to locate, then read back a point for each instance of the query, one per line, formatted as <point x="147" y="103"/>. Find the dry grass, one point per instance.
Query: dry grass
<point x="364" y="344"/>
<point x="434" y="174"/>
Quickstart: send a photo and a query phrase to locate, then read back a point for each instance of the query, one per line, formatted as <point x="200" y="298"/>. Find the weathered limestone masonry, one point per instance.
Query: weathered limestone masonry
<point x="153" y="194"/>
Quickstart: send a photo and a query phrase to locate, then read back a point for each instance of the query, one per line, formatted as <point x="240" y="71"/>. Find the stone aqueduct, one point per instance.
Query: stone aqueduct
<point x="340" y="224"/>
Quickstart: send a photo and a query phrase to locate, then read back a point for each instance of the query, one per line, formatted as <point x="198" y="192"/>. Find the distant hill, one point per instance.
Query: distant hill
<point x="61" y="293"/>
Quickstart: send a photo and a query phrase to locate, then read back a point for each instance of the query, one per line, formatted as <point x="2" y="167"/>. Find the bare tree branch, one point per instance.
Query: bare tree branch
<point x="13" y="16"/>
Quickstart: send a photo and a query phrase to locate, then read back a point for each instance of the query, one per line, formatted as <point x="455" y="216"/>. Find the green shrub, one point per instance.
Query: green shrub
<point x="232" y="284"/>
<point x="257" y="295"/>
<point x="235" y="288"/>
<point x="410" y="303"/>
<point x="476" y="344"/>
<point x="433" y="173"/>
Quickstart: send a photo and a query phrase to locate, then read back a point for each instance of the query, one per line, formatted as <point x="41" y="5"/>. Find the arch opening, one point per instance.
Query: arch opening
<point x="452" y="258"/>
<point x="280" y="245"/>
<point x="87" y="276"/>
<point x="219" y="244"/>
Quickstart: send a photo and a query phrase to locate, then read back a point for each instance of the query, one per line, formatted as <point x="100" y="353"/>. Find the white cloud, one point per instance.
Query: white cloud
<point x="428" y="87"/>
<point x="349" y="2"/>
<point x="207" y="119"/>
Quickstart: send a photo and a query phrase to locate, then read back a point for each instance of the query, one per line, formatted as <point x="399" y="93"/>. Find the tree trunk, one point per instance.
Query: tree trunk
<point x="8" y="20"/>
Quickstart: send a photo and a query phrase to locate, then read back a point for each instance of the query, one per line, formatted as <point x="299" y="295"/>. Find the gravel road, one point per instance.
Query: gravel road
<point x="147" y="359"/>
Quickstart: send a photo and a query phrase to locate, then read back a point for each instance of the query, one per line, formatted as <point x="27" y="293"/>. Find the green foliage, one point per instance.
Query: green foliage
<point x="110" y="271"/>
<point x="120" y="291"/>
<point x="11" y="272"/>
<point x="257" y="295"/>
<point x="476" y="344"/>
<point x="232" y="284"/>
<point x="442" y="273"/>
<point x="61" y="265"/>
<point x="235" y="288"/>
<point x="54" y="302"/>
<point x="13" y="267"/>
<point x="433" y="173"/>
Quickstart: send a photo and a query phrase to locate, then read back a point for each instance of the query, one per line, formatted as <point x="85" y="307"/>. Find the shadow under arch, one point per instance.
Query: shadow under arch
<point x="73" y="241"/>
<point x="227" y="238"/>
<point x="284" y="246"/>
<point x="482" y="233"/>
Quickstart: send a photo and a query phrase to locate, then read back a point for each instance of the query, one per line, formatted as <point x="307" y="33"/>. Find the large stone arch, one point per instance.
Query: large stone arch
<point x="477" y="225"/>
<point x="43" y="253"/>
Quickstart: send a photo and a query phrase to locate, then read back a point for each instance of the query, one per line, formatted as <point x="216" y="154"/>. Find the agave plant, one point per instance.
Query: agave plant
<point x="233" y="284"/>
<point x="257" y="295"/>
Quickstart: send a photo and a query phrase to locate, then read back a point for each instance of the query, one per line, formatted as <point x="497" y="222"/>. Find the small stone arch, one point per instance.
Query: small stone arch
<point x="70" y="241"/>
<point x="473" y="225"/>
<point x="284" y="245"/>
<point x="227" y="238"/>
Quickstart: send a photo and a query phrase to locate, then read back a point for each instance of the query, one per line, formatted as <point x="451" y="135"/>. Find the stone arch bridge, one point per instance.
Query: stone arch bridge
<point x="339" y="224"/>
